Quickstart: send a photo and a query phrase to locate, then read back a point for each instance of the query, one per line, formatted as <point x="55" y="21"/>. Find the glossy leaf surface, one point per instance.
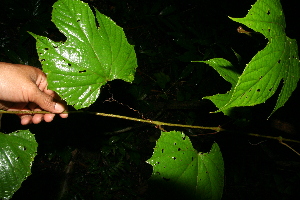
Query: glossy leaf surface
<point x="17" y="151"/>
<point x="277" y="62"/>
<point x="177" y="163"/>
<point x="92" y="54"/>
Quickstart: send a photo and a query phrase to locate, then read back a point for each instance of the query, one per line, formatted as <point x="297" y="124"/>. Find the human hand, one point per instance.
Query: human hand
<point x="22" y="88"/>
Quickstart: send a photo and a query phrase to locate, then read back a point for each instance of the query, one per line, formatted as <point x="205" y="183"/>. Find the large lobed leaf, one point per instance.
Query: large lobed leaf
<point x="17" y="151"/>
<point x="277" y="61"/>
<point x="91" y="55"/>
<point x="178" y="164"/>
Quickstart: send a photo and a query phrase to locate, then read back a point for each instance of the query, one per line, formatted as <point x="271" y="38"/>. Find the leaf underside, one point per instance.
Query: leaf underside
<point x="92" y="54"/>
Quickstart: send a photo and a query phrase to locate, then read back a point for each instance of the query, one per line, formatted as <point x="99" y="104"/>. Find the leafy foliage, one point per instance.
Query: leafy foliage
<point x="90" y="57"/>
<point x="166" y="35"/>
<point x="278" y="60"/>
<point x="177" y="163"/>
<point x="17" y="151"/>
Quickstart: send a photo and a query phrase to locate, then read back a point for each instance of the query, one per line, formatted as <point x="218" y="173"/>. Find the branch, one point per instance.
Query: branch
<point x="157" y="123"/>
<point x="280" y="140"/>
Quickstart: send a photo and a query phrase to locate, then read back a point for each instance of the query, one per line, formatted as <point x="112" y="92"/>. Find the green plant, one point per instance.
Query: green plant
<point x="179" y="167"/>
<point x="91" y="72"/>
<point x="17" y="152"/>
<point x="261" y="77"/>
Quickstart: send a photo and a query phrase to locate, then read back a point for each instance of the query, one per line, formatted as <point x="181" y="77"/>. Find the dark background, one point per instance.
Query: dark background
<point x="92" y="157"/>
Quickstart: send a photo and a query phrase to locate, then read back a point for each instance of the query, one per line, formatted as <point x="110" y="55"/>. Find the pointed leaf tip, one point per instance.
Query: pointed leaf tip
<point x="277" y="62"/>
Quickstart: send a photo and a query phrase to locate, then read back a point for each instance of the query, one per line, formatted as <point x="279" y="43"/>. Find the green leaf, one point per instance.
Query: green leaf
<point x="230" y="74"/>
<point x="177" y="163"/>
<point x="17" y="151"/>
<point x="276" y="62"/>
<point x="91" y="55"/>
<point x="225" y="69"/>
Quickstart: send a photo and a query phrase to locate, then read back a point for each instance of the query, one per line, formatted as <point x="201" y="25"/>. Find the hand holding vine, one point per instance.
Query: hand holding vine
<point x="23" y="87"/>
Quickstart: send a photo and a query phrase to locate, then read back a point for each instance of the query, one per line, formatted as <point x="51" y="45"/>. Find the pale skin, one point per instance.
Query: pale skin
<point x="23" y="87"/>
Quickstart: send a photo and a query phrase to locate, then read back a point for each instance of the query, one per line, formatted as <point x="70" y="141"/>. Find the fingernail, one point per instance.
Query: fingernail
<point x="59" y="107"/>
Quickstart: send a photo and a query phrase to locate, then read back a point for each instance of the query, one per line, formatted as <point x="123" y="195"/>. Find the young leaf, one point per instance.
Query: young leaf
<point x="17" y="151"/>
<point x="277" y="61"/>
<point x="175" y="162"/>
<point x="91" y="55"/>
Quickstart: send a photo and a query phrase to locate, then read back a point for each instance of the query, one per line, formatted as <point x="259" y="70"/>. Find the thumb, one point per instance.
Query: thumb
<point x="46" y="102"/>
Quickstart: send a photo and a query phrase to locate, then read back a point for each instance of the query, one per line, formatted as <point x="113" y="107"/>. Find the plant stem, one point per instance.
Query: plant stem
<point x="157" y="123"/>
<point x="280" y="139"/>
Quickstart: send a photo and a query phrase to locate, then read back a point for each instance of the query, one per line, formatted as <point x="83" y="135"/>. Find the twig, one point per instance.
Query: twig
<point x="157" y="123"/>
<point x="288" y="146"/>
<point x="274" y="138"/>
<point x="280" y="140"/>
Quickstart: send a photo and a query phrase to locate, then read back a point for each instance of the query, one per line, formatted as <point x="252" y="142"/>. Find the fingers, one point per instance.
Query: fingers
<point x="29" y="119"/>
<point x="26" y="119"/>
<point x="45" y="98"/>
<point x="63" y="115"/>
<point x="47" y="101"/>
<point x="25" y="88"/>
<point x="35" y="118"/>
